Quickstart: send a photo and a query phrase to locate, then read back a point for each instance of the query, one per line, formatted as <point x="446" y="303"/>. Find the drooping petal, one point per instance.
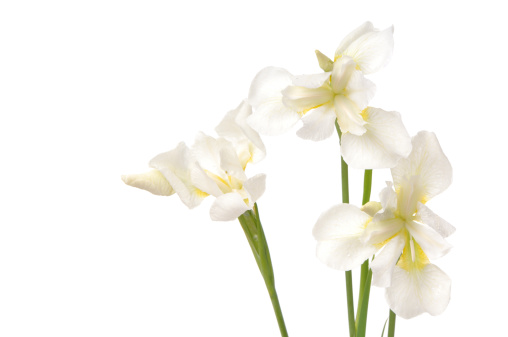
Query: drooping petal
<point x="255" y="187"/>
<point x="340" y="221"/>
<point x="228" y="207"/>
<point x="343" y="68"/>
<point x="360" y="89"/>
<point x="349" y="116"/>
<point x="372" y="50"/>
<point x="431" y="242"/>
<point x="153" y="181"/>
<point x="434" y="221"/>
<point x="176" y="166"/>
<point x="364" y="28"/>
<point x="338" y="232"/>
<point x="302" y="99"/>
<point x="384" y="263"/>
<point x="427" y="162"/>
<point x="388" y="197"/>
<point x="383" y="144"/>
<point x="414" y="292"/>
<point x="319" y="124"/>
<point x="270" y="116"/>
<point x="324" y="62"/>
<point x="234" y="127"/>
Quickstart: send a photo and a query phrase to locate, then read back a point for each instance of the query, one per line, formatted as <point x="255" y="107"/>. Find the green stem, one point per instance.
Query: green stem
<point x="349" y="277"/>
<point x="362" y="322"/>
<point x="391" y="324"/>
<point x="253" y="229"/>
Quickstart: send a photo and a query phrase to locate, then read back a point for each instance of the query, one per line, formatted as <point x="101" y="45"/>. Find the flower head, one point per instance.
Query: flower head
<point x="213" y="166"/>
<point x="403" y="232"/>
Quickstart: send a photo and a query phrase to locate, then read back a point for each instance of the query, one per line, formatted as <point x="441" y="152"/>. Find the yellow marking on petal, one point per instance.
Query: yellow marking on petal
<point x="413" y="258"/>
<point x="201" y="194"/>
<point x="302" y="113"/>
<point x="365" y="114"/>
<point x="382" y="244"/>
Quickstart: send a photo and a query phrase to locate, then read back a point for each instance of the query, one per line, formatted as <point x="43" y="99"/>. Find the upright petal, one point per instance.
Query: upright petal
<point x="426" y="216"/>
<point x="414" y="292"/>
<point x="388" y="197"/>
<point x="343" y="68"/>
<point x="372" y="50"/>
<point x="364" y="28"/>
<point x="153" y="181"/>
<point x="270" y="115"/>
<point x="383" y="144"/>
<point x="427" y="162"/>
<point x="318" y="124"/>
<point x="349" y="116"/>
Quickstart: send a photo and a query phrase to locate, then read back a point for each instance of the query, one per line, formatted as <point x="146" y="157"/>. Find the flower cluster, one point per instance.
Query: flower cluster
<point x="213" y="166"/>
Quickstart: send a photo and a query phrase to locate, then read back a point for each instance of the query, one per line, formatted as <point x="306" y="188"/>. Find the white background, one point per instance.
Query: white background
<point x="90" y="90"/>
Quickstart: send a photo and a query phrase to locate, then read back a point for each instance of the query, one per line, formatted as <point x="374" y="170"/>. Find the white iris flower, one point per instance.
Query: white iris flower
<point x="401" y="230"/>
<point x="372" y="138"/>
<point x="213" y="166"/>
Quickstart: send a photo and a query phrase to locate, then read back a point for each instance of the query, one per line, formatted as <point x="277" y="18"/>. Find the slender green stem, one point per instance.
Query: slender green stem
<point x="367" y="186"/>
<point x="391" y="324"/>
<point x="253" y="229"/>
<point x="362" y="322"/>
<point x="384" y="327"/>
<point x="349" y="277"/>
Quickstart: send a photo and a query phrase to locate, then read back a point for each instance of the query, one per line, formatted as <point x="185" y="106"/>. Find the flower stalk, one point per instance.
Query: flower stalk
<point x="251" y="224"/>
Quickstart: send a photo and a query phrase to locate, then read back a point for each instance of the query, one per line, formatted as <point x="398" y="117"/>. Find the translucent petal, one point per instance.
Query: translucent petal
<point x="432" y="220"/>
<point x="255" y="186"/>
<point x="302" y="99"/>
<point x="388" y="197"/>
<point x="312" y="81"/>
<point x="319" y="124"/>
<point x="360" y="89"/>
<point x="345" y="253"/>
<point x="384" y="263"/>
<point x="427" y="162"/>
<point x="340" y="221"/>
<point x="364" y="28"/>
<point x="414" y="292"/>
<point x="349" y="116"/>
<point x="382" y="145"/>
<point x="343" y="68"/>
<point x="431" y="242"/>
<point x="153" y="181"/>
<point x="382" y="227"/>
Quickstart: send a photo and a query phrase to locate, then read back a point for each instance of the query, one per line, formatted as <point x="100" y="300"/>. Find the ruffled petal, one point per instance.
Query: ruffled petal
<point x="319" y="124"/>
<point x="414" y="292"/>
<point x="349" y="116"/>
<point x="388" y="197"/>
<point x="432" y="220"/>
<point x="372" y="50"/>
<point x="312" y="81"/>
<point x="383" y="144"/>
<point x="384" y="263"/>
<point x="364" y="28"/>
<point x="270" y="115"/>
<point x="431" y="242"/>
<point x="428" y="163"/>
<point x="153" y="181"/>
<point x="228" y="207"/>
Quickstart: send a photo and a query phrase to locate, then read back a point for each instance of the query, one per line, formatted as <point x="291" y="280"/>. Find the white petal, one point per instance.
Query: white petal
<point x="312" y="81"/>
<point x="302" y="99"/>
<point x="228" y="207"/>
<point x="360" y="89"/>
<point x="382" y="227"/>
<point x="255" y="186"/>
<point x="432" y="243"/>
<point x="427" y="162"/>
<point x="383" y="144"/>
<point x="388" y="197"/>
<point x="413" y="293"/>
<point x="318" y="124"/>
<point x="340" y="221"/>
<point x="372" y="50"/>
<point x="234" y="128"/>
<point x="270" y="115"/>
<point x="204" y="183"/>
<point x="230" y="163"/>
<point x="153" y="181"/>
<point x="364" y="28"/>
<point x="371" y="208"/>
<point x="206" y="150"/>
<point x="345" y="253"/>
<point x="384" y="263"/>
<point x="434" y="221"/>
<point x="349" y="116"/>
<point x="176" y="166"/>
<point x="343" y="68"/>
<point x="324" y="62"/>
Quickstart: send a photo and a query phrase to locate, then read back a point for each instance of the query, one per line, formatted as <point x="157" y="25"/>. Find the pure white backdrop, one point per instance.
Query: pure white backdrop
<point x="90" y="90"/>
